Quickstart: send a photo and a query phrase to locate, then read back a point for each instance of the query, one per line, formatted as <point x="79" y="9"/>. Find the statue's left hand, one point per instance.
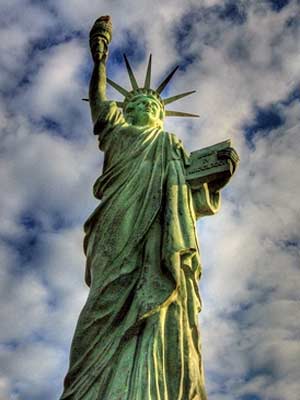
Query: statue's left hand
<point x="231" y="155"/>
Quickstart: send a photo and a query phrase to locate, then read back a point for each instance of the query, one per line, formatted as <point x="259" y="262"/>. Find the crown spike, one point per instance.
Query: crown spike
<point x="180" y="114"/>
<point x="167" y="80"/>
<point x="148" y="74"/>
<point x="119" y="88"/>
<point x="177" y="97"/>
<point x="133" y="81"/>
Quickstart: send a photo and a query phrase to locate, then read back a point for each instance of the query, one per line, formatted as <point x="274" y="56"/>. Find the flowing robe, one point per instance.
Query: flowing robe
<point x="137" y="336"/>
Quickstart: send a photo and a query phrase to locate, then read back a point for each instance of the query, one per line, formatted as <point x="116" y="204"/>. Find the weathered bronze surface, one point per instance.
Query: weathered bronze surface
<point x="137" y="337"/>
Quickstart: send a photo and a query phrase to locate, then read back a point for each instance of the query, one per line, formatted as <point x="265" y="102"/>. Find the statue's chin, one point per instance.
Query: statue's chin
<point x="149" y="123"/>
<point x="145" y="121"/>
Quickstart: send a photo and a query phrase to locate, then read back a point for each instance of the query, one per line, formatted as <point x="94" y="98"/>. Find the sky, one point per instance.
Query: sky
<point x="243" y="58"/>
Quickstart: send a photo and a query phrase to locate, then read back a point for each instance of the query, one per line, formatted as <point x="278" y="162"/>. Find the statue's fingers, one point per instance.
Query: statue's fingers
<point x="235" y="156"/>
<point x="231" y="152"/>
<point x="222" y="154"/>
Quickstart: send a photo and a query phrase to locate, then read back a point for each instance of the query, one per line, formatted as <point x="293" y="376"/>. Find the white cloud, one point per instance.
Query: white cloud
<point x="21" y="24"/>
<point x="63" y="265"/>
<point x="248" y="260"/>
<point x="33" y="367"/>
<point x="56" y="83"/>
<point x="4" y="388"/>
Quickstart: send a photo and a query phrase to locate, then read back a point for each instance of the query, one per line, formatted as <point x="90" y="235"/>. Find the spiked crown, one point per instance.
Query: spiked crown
<point x="147" y="91"/>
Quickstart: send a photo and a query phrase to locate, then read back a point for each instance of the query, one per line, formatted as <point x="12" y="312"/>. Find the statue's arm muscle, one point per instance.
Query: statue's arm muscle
<point x="97" y="90"/>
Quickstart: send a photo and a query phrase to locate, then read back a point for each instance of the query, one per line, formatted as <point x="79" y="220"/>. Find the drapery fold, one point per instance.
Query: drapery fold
<point x="137" y="336"/>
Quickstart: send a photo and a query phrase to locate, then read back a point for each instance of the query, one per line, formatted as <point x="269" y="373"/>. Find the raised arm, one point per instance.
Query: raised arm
<point x="100" y="37"/>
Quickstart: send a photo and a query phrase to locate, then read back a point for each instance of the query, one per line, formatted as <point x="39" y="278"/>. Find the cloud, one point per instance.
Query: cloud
<point x="252" y="256"/>
<point x="41" y="360"/>
<point x="22" y="23"/>
<point x="55" y="92"/>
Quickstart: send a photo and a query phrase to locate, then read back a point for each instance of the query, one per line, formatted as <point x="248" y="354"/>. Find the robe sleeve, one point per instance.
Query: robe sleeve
<point x="109" y="120"/>
<point x="205" y="201"/>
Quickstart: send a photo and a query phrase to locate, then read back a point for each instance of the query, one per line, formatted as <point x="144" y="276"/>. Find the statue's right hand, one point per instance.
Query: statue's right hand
<point x="99" y="49"/>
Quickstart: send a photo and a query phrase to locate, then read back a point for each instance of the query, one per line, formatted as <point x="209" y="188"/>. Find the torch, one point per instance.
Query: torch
<point x="100" y="37"/>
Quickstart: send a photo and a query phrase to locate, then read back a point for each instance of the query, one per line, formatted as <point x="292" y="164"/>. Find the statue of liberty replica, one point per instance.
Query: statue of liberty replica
<point x="137" y="336"/>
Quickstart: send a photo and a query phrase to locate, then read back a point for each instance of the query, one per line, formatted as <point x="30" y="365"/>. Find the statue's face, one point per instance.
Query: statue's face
<point x="144" y="111"/>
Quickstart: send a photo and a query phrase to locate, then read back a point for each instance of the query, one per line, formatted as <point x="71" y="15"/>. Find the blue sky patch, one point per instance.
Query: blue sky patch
<point x="11" y="344"/>
<point x="51" y="40"/>
<point x="250" y="397"/>
<point x="266" y="370"/>
<point x="30" y="221"/>
<point x="186" y="28"/>
<point x="266" y="119"/>
<point x="293" y="96"/>
<point x="51" y="124"/>
<point x="25" y="247"/>
<point x="133" y="45"/>
<point x="278" y="5"/>
<point x="291" y="243"/>
<point x="233" y="11"/>
<point x="240" y="313"/>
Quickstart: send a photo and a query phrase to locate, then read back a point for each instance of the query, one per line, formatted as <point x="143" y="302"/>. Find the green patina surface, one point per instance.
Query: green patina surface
<point x="137" y="337"/>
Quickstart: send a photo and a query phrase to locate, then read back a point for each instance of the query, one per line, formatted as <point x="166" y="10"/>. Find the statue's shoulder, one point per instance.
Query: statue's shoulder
<point x="174" y="140"/>
<point x="109" y="117"/>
